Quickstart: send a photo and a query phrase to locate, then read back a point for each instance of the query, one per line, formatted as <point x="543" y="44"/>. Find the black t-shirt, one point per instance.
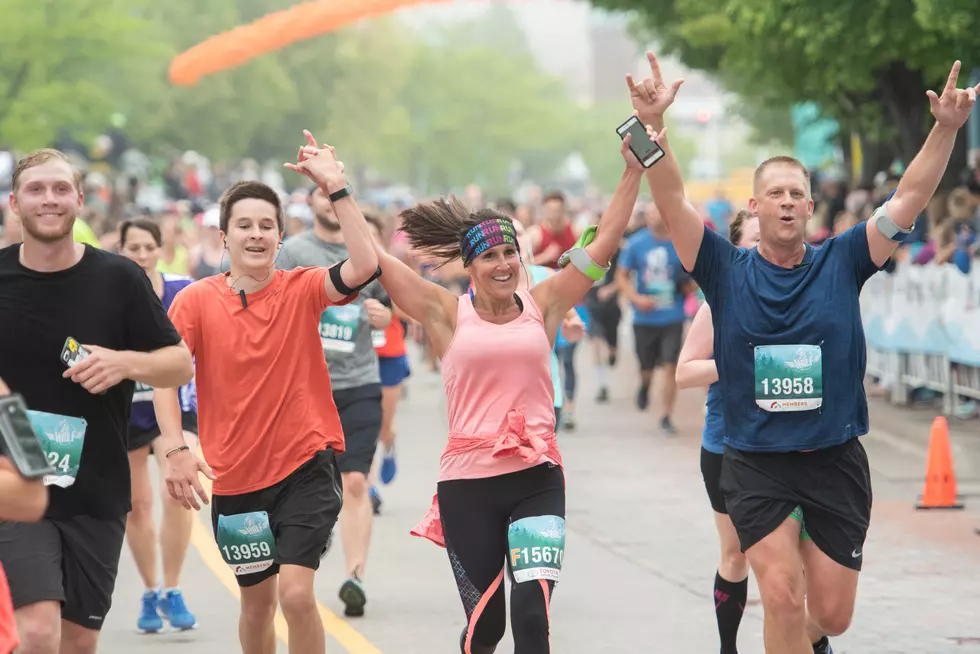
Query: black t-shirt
<point x="106" y="300"/>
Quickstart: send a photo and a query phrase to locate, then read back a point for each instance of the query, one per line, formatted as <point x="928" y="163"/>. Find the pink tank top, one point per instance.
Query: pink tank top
<point x="488" y="371"/>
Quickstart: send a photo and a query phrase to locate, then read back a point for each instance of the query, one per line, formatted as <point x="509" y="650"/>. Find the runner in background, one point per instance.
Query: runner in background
<point x="393" y="367"/>
<point x="657" y="291"/>
<point x="696" y="368"/>
<point x="602" y="304"/>
<point x="501" y="486"/>
<point x="346" y="340"/>
<point x="62" y="570"/>
<point x="140" y="241"/>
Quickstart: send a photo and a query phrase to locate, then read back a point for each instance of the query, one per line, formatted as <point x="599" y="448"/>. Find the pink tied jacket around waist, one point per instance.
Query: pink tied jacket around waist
<point x="512" y="441"/>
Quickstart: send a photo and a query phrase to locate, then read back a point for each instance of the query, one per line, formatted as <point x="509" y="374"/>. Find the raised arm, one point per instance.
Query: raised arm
<point x="560" y="293"/>
<point x="695" y="367"/>
<point x="322" y="167"/>
<point x="421" y="300"/>
<point x="920" y="181"/>
<point x="651" y="98"/>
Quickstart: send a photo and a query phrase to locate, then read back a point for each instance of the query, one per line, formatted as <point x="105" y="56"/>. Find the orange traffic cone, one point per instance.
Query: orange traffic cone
<point x="940" y="487"/>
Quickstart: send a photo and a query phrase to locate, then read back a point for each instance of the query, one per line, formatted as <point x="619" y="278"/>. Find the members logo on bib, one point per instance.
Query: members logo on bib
<point x="537" y="547"/>
<point x="338" y="328"/>
<point x="62" y="438"/>
<point x="378" y="338"/>
<point x="246" y="542"/>
<point x="788" y="377"/>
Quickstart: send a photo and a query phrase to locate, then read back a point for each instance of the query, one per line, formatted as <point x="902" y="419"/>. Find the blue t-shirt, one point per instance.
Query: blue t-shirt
<point x="539" y="274"/>
<point x="658" y="273"/>
<point x="813" y="311"/>
<point x="713" y="436"/>
<point x="142" y="417"/>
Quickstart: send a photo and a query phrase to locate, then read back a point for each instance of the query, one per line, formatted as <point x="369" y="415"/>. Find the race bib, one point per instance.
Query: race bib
<point x="246" y="542"/>
<point x="788" y="377"/>
<point x="378" y="338"/>
<point x="142" y="393"/>
<point x="338" y="328"/>
<point x="62" y="439"/>
<point x="537" y="547"/>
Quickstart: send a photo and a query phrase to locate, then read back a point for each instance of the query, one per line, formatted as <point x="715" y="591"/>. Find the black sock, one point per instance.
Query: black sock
<point x="730" y="599"/>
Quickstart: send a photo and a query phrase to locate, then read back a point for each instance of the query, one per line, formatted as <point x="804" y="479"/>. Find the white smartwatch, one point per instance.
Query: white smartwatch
<point x="887" y="226"/>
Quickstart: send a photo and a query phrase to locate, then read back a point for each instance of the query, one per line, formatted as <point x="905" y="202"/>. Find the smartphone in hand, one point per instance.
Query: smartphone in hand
<point x="643" y="147"/>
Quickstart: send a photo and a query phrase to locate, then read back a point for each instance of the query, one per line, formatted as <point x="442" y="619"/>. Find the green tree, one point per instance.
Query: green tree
<point x="57" y="61"/>
<point x="867" y="63"/>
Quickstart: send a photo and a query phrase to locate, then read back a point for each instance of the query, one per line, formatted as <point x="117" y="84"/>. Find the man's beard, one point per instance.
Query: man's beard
<point x="27" y="226"/>
<point x="326" y="223"/>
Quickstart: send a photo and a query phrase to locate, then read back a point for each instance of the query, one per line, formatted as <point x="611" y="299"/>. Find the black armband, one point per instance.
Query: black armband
<point x="338" y="281"/>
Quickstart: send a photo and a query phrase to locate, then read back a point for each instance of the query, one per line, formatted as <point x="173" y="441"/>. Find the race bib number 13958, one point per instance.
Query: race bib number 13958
<point x="788" y="377"/>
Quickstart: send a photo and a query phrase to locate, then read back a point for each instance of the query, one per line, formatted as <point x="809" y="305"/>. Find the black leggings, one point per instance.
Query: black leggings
<point x="476" y="514"/>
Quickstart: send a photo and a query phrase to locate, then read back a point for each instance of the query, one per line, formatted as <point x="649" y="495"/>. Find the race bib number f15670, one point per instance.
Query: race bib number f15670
<point x="246" y="542"/>
<point x="537" y="547"/>
<point x="788" y="377"/>
<point x="62" y="438"/>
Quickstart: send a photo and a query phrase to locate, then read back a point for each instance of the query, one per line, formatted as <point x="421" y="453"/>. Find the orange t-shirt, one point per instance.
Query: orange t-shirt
<point x="8" y="624"/>
<point x="265" y="405"/>
<point x="394" y="340"/>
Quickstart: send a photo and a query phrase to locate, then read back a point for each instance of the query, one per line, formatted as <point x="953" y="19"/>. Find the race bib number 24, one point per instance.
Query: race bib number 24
<point x="537" y="547"/>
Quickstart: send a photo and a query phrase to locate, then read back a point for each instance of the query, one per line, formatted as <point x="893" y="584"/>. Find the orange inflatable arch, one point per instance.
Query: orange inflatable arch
<point x="274" y="32"/>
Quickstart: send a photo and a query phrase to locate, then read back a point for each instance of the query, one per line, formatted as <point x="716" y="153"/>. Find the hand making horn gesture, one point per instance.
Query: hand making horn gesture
<point x="651" y="97"/>
<point x="953" y="107"/>
<point x="319" y="164"/>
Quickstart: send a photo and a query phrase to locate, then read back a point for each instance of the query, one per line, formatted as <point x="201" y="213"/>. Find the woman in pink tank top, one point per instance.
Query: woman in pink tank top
<point x="500" y="501"/>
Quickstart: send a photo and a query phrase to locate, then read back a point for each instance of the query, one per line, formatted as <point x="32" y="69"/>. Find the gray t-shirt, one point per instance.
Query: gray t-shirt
<point x="344" y="331"/>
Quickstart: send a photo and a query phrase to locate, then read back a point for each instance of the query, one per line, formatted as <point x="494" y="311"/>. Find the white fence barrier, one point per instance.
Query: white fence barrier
<point x="923" y="330"/>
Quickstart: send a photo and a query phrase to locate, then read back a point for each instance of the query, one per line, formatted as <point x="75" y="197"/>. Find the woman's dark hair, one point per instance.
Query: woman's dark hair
<point x="735" y="229"/>
<point x="436" y="228"/>
<point x="145" y="224"/>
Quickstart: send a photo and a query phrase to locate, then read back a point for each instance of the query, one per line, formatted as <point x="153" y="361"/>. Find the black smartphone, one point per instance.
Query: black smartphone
<point x="20" y="442"/>
<point x="73" y="352"/>
<point x="645" y="150"/>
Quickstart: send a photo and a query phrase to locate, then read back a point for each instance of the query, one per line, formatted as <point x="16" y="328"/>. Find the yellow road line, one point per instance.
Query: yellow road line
<point x="203" y="540"/>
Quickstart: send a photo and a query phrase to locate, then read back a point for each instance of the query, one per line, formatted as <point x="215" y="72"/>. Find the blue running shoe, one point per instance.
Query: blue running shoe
<point x="388" y="467"/>
<point x="149" y="621"/>
<point x="174" y="611"/>
<point x="375" y="501"/>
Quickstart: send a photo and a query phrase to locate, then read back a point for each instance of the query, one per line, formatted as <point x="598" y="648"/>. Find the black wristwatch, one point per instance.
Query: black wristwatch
<point x="342" y="193"/>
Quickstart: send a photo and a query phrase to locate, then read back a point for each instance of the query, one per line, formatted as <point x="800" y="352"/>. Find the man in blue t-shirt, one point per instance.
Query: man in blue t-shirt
<point x="790" y="351"/>
<point x="651" y="277"/>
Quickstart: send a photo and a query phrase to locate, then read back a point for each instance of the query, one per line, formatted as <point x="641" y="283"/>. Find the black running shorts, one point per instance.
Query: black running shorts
<point x="360" y="415"/>
<point x="302" y="508"/>
<point x="832" y="485"/>
<point x="658" y="345"/>
<point x="711" y="472"/>
<point x="605" y="317"/>
<point x="73" y="561"/>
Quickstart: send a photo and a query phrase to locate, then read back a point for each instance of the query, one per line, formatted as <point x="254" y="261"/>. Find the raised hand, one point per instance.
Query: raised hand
<point x="651" y="97"/>
<point x="953" y="107"/>
<point x="320" y="165"/>
<point x="631" y="160"/>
